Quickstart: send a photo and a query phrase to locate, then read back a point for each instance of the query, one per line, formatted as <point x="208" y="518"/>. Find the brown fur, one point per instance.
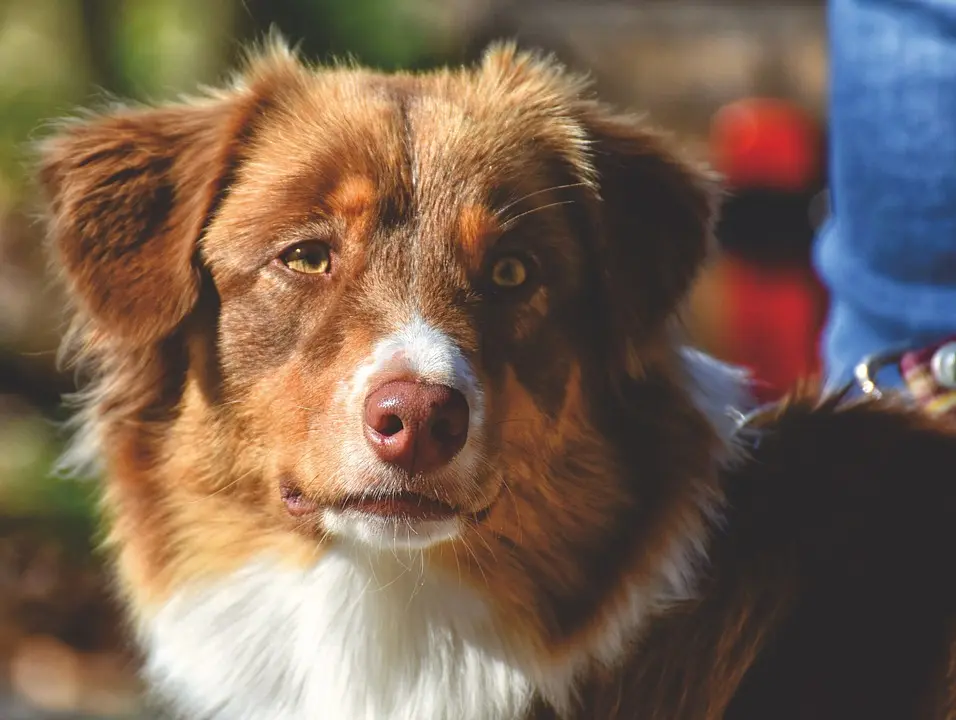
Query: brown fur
<point x="830" y="592"/>
<point x="214" y="368"/>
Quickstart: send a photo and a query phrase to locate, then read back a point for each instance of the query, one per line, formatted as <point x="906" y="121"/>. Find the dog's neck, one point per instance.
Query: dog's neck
<point x="380" y="635"/>
<point x="372" y="634"/>
<point x="358" y="635"/>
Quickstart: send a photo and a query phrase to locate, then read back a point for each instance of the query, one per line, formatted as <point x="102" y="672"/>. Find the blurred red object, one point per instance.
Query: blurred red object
<point x="774" y="325"/>
<point x="765" y="143"/>
<point x="769" y="152"/>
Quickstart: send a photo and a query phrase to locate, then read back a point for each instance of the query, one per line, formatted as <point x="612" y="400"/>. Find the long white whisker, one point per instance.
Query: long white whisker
<point x="506" y="208"/>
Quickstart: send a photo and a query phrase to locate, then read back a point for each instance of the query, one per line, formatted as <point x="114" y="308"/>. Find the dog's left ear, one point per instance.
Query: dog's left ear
<point x="657" y="213"/>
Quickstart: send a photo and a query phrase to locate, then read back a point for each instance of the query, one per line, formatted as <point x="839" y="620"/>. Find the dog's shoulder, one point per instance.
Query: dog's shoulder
<point x="843" y="520"/>
<point x="830" y="588"/>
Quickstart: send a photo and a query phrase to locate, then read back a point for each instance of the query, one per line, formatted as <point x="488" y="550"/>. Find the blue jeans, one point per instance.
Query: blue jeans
<point x="888" y="251"/>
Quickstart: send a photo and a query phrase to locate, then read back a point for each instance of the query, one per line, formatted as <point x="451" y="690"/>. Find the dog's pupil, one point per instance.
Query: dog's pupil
<point x="509" y="272"/>
<point x="314" y="258"/>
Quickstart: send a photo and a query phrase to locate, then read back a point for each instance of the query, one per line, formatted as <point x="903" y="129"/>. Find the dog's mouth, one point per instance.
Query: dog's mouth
<point x="399" y="506"/>
<point x="407" y="506"/>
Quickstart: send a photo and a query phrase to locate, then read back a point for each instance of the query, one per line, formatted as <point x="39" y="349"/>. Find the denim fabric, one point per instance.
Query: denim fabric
<point x="888" y="252"/>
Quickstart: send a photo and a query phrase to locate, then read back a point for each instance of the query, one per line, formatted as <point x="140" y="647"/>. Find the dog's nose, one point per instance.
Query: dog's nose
<point x="416" y="426"/>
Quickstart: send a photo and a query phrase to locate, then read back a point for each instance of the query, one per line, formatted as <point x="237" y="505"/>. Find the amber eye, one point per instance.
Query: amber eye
<point x="311" y="258"/>
<point x="509" y="272"/>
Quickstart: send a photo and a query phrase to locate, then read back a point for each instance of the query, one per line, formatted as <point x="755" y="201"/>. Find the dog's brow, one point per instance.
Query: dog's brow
<point x="476" y="226"/>
<point x="353" y="195"/>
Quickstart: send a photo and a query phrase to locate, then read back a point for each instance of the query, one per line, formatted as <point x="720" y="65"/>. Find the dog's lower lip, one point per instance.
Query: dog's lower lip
<point x="401" y="505"/>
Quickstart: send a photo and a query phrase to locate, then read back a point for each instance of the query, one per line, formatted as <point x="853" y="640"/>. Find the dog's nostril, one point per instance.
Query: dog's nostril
<point x="443" y="431"/>
<point x="390" y="425"/>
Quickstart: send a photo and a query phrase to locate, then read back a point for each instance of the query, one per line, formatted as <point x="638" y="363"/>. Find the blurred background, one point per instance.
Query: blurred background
<point x="742" y="83"/>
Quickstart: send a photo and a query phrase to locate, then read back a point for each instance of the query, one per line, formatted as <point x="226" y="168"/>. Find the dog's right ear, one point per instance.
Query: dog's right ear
<point x="657" y="212"/>
<point x="129" y="194"/>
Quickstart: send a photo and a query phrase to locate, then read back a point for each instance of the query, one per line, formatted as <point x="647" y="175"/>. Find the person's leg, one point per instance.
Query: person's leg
<point x="888" y="252"/>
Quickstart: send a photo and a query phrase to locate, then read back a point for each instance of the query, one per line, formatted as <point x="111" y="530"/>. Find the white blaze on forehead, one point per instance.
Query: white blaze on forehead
<point x="420" y="351"/>
<point x="433" y="355"/>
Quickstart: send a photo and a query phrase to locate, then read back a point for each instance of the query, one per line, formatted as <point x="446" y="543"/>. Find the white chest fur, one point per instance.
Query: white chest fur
<point x="349" y="639"/>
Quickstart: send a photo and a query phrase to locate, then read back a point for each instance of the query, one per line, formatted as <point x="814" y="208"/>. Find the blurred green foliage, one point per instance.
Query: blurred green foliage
<point x="29" y="448"/>
<point x="56" y="55"/>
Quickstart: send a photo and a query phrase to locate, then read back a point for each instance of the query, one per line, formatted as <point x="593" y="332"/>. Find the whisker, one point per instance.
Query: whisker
<point x="454" y="553"/>
<point x="224" y="403"/>
<point x="506" y="208"/>
<point x="394" y="580"/>
<point x="365" y="588"/>
<point x="511" y="221"/>
<point x="309" y="409"/>
<point x="421" y="579"/>
<point x="485" y="543"/>
<point x="222" y="489"/>
<point x="514" y="502"/>
<point x="505" y="421"/>
<point x="474" y="556"/>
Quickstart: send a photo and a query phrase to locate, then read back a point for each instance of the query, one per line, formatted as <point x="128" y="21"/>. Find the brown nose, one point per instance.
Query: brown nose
<point x="415" y="426"/>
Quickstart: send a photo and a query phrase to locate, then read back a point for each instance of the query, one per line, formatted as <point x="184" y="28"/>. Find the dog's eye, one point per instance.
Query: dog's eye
<point x="509" y="272"/>
<point x="311" y="258"/>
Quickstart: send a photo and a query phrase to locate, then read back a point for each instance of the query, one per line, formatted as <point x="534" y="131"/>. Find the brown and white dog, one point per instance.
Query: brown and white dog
<point x="394" y="423"/>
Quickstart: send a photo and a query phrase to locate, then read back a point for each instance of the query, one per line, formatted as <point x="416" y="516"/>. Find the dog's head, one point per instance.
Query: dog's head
<point x="422" y="311"/>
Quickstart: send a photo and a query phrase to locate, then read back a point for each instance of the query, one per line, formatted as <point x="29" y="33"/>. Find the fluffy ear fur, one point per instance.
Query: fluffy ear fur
<point x="130" y="192"/>
<point x="657" y="216"/>
<point x="656" y="211"/>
